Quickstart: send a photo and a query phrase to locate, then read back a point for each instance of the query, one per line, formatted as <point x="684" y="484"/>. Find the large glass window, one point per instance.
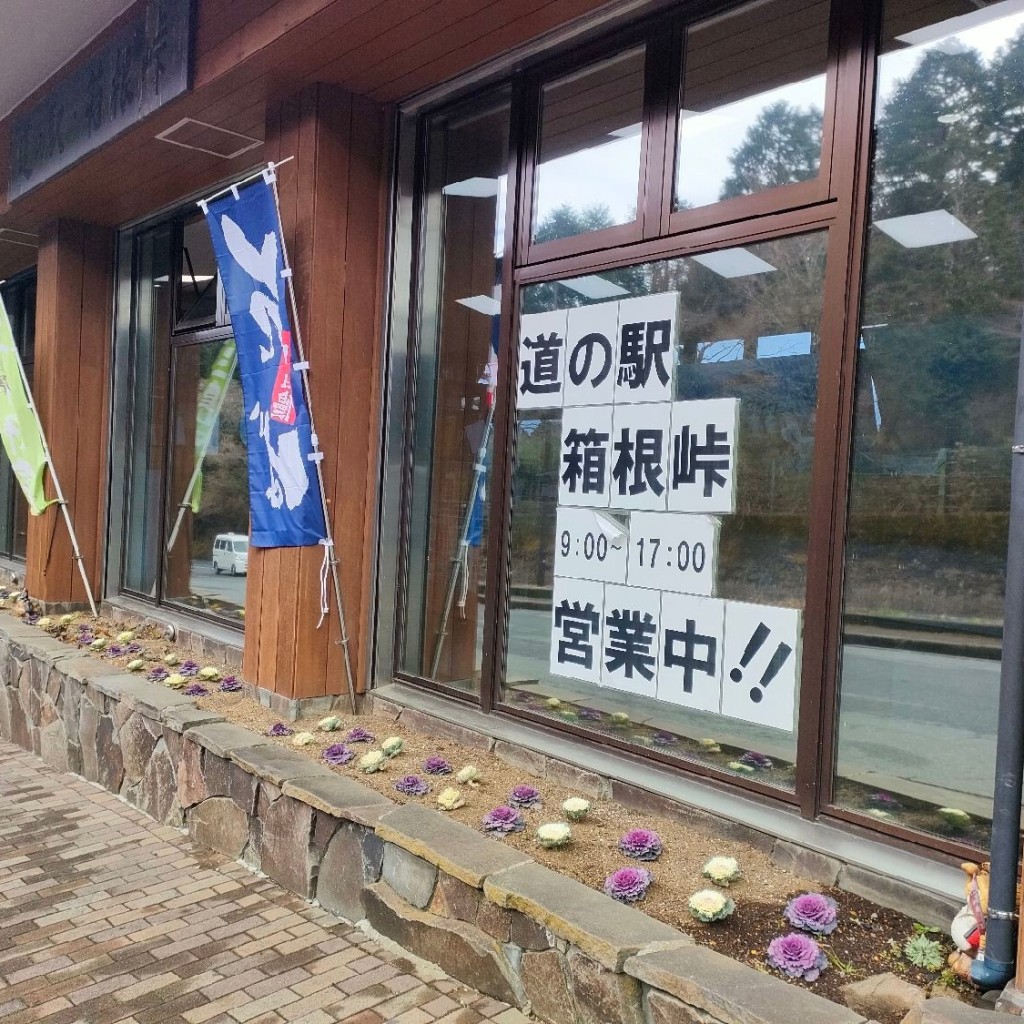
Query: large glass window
<point x="187" y="501"/>
<point x="660" y="516"/>
<point x="458" y="330"/>
<point x="936" y="389"/>
<point x="752" y="102"/>
<point x="19" y="297"/>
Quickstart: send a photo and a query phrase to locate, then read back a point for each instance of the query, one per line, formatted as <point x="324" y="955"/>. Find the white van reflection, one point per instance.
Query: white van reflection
<point x="231" y="554"/>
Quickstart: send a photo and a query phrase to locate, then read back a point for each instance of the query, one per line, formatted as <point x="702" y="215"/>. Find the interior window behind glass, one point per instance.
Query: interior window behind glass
<point x="752" y="101"/>
<point x="588" y="171"/>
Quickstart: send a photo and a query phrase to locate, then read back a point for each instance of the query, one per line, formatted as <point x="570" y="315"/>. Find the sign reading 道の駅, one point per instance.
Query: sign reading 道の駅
<point x="143" y="65"/>
<point x="643" y="479"/>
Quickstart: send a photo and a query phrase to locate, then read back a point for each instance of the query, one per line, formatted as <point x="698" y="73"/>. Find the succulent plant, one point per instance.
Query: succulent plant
<point x="553" y="835"/>
<point x="338" y="754"/>
<point x="710" y="905"/>
<point x="924" y="953"/>
<point x="576" y="808"/>
<point x="435" y="765"/>
<point x="722" y="870"/>
<point x="641" y="844"/>
<point x="796" y="956"/>
<point x="412" y="785"/>
<point x="332" y="723"/>
<point x="812" y="912"/>
<point x="449" y="799"/>
<point x="503" y="819"/>
<point x="524" y="796"/>
<point x="628" y="885"/>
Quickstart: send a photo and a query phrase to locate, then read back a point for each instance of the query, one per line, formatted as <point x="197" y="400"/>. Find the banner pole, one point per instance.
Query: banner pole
<point x="458" y="559"/>
<point x="271" y="175"/>
<point x="56" y="486"/>
<point x="199" y="465"/>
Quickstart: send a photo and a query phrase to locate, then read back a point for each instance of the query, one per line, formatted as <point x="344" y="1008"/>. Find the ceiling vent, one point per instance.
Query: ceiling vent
<point x="207" y="138"/>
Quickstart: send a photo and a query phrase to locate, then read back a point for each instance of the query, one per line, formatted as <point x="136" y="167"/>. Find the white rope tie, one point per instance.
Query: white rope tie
<point x="325" y="569"/>
<point x="464" y="584"/>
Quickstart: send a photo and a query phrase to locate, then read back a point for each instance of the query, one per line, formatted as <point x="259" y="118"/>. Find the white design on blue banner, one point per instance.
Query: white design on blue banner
<point x="283" y="494"/>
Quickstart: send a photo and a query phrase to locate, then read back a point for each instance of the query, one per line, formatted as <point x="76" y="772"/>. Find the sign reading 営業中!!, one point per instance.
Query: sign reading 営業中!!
<point x="643" y="479"/>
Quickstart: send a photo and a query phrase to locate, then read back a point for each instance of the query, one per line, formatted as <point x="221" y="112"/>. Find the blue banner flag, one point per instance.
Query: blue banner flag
<point x="284" y="497"/>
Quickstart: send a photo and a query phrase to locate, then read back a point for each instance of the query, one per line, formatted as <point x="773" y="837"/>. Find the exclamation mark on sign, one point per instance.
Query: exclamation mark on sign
<point x="754" y="644"/>
<point x="778" y="660"/>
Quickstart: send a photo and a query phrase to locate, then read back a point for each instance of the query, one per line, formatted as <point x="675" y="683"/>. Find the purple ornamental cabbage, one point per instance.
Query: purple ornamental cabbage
<point x="628" y="885"/>
<point x="796" y="956"/>
<point x="590" y="714"/>
<point x="664" y="739"/>
<point x="195" y="690"/>
<point x="411" y="785"/>
<point x="813" y="912"/>
<point x="115" y="651"/>
<point x="158" y="674"/>
<point x="134" y="649"/>
<point x="189" y="668"/>
<point x="641" y="844"/>
<point x="279" y="729"/>
<point x="524" y="796"/>
<point x="435" y="765"/>
<point x="358" y="734"/>
<point x="338" y="754"/>
<point x="884" y="800"/>
<point x="503" y="819"/>
<point x="229" y="684"/>
<point x="762" y="762"/>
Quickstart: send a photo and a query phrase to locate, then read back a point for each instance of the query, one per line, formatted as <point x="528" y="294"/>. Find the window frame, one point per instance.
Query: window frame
<point x="837" y="202"/>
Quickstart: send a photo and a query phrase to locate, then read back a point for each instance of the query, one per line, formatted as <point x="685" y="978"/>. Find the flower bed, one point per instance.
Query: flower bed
<point x="666" y="861"/>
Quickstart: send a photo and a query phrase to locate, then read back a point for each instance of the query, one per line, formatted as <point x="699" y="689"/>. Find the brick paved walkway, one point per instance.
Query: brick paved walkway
<point x="107" y="917"/>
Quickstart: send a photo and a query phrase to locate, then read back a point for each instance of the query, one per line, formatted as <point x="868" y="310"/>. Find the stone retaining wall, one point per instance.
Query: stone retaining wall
<point x="485" y="913"/>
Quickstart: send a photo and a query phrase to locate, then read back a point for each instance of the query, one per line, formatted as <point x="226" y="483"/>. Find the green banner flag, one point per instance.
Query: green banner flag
<point x="19" y="429"/>
<point x="211" y="398"/>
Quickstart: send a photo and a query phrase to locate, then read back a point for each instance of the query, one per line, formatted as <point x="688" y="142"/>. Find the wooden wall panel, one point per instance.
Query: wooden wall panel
<point x="331" y="212"/>
<point x="73" y="308"/>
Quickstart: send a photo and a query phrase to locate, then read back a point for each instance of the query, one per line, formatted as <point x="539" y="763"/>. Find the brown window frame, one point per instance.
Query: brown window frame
<point x="837" y="202"/>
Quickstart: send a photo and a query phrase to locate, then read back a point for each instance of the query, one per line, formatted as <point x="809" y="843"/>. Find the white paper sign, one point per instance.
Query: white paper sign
<point x="673" y="551"/>
<point x="590" y="354"/>
<point x="541" y="360"/>
<point x="761" y="664"/>
<point x="590" y="545"/>
<point x="577" y="618"/>
<point x="639" y="464"/>
<point x="692" y="637"/>
<point x="645" y="348"/>
<point x="632" y="639"/>
<point x="702" y="460"/>
<point x="585" y="465"/>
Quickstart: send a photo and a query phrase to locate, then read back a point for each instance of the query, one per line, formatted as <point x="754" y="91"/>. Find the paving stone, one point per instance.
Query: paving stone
<point x="410" y="876"/>
<point x="728" y="991"/>
<point x="214" y="973"/>
<point x="806" y="863"/>
<point x="276" y="764"/>
<point x="453" y="847"/>
<point x="882" y="995"/>
<point x="949" y="1011"/>
<point x="604" y="929"/>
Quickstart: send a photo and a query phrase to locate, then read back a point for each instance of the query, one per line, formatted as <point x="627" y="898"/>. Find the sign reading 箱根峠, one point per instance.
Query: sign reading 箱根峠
<point x="643" y="480"/>
<point x="144" y="64"/>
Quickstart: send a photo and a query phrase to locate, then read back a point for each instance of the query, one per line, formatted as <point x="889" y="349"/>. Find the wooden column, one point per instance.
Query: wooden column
<point x="332" y="205"/>
<point x="71" y="390"/>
